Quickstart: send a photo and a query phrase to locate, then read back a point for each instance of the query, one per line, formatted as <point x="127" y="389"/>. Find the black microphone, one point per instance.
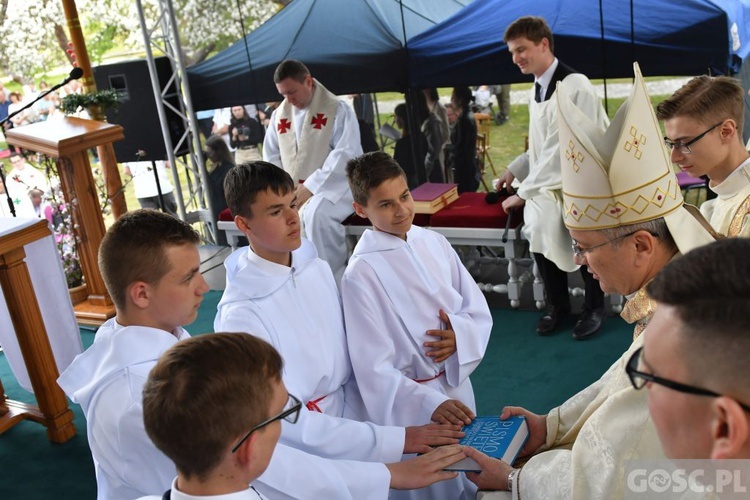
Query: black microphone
<point x="75" y="74"/>
<point x="494" y="196"/>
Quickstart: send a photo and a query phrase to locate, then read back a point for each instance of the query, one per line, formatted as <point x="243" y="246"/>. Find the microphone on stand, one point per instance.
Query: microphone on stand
<point x="75" y="74"/>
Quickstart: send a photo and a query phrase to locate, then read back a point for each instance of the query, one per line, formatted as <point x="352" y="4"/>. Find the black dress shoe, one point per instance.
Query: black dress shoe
<point x="589" y="324"/>
<point x="552" y="316"/>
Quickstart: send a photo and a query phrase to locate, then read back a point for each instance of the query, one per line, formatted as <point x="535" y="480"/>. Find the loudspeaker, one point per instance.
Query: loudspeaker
<point x="137" y="114"/>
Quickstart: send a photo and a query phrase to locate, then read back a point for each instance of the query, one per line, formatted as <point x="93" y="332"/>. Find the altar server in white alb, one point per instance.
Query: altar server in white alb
<point x="280" y="291"/>
<point x="704" y="121"/>
<point x="312" y="135"/>
<point x="417" y="324"/>
<point x="149" y="262"/>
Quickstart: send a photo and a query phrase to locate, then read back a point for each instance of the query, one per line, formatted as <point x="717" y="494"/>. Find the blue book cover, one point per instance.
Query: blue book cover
<point x="501" y="439"/>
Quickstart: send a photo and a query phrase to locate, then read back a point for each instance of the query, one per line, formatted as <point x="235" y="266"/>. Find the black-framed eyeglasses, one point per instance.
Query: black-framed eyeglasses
<point x="290" y="413"/>
<point x="639" y="380"/>
<point x="684" y="147"/>
<point x="580" y="251"/>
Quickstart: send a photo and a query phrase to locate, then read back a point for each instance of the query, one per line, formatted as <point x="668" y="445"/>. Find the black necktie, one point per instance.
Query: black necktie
<point x="538" y="92"/>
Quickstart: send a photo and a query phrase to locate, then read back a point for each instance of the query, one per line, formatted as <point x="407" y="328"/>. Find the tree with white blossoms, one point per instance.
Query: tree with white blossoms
<point x="35" y="42"/>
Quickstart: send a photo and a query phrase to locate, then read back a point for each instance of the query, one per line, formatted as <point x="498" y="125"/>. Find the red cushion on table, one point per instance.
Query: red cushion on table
<point x="356" y="220"/>
<point x="225" y="215"/>
<point x="471" y="210"/>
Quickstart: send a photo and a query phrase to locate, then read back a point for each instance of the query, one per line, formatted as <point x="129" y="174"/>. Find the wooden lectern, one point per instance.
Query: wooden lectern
<point x="68" y="141"/>
<point x="53" y="411"/>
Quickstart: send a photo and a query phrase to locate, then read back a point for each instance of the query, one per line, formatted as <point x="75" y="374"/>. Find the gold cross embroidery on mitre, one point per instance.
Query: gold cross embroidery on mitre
<point x="636" y="143"/>
<point x="574" y="157"/>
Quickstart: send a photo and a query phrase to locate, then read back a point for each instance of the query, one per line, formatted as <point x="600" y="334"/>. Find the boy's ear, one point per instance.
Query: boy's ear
<point x="246" y="451"/>
<point x="359" y="210"/>
<point x="138" y="292"/>
<point x="730" y="430"/>
<point x="241" y="223"/>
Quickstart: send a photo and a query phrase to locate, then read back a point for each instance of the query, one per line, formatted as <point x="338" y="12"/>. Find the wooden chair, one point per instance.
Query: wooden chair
<point x="482" y="156"/>
<point x="484" y="124"/>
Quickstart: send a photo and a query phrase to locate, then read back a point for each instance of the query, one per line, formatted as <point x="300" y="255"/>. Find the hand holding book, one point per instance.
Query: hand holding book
<point x="496" y="443"/>
<point x="537" y="428"/>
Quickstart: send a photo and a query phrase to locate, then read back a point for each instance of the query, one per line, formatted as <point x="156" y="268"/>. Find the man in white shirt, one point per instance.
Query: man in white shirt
<point x="531" y="44"/>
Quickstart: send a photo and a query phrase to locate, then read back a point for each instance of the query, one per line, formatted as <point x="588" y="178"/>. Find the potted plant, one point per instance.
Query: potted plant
<point x="95" y="103"/>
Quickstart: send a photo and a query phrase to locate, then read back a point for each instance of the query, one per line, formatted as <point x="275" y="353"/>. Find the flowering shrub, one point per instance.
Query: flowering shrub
<point x="65" y="238"/>
<point x="63" y="219"/>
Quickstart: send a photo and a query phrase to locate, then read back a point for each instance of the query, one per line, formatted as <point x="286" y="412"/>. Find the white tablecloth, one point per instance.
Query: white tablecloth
<point x="45" y="269"/>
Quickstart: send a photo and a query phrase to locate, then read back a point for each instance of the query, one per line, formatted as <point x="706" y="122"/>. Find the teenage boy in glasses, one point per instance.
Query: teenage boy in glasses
<point x="703" y="121"/>
<point x="231" y="444"/>
<point x="694" y="356"/>
<point x="279" y="290"/>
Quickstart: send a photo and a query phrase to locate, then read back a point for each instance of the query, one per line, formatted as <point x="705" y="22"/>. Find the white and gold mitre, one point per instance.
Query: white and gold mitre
<point x="618" y="177"/>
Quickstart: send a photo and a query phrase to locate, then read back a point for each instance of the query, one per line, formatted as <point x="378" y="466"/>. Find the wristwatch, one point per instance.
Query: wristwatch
<point x="511" y="478"/>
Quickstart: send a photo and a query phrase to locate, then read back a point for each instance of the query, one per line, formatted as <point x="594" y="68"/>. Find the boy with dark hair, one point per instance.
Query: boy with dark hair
<point x="703" y="121"/>
<point x="243" y="374"/>
<point x="150" y="265"/>
<point x="417" y="324"/>
<point x="279" y="290"/>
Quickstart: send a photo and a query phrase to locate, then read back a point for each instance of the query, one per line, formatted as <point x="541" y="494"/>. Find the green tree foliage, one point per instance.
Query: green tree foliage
<point x="35" y="39"/>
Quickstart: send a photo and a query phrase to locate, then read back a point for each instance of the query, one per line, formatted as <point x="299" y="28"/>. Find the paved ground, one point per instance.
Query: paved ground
<point x="659" y="87"/>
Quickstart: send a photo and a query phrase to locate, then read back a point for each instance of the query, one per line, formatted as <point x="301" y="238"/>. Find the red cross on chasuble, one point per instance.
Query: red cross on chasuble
<point x="319" y="121"/>
<point x="283" y="126"/>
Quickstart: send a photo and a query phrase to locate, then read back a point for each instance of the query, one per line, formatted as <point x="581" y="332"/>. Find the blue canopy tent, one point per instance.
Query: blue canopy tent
<point x="351" y="46"/>
<point x="600" y="38"/>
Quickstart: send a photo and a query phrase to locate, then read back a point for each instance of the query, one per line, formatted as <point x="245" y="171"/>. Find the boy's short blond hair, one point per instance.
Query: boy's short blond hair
<point x="368" y="171"/>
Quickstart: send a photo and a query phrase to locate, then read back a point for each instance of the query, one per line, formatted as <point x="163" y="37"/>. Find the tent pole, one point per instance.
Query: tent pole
<point x="604" y="56"/>
<point x="377" y="119"/>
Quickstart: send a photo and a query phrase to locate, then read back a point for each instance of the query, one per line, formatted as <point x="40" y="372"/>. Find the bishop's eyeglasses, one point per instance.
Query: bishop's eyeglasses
<point x="639" y="380"/>
<point x="290" y="413"/>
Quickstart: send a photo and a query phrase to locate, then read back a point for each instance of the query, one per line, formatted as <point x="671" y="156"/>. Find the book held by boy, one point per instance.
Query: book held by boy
<point x="433" y="196"/>
<point x="501" y="439"/>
